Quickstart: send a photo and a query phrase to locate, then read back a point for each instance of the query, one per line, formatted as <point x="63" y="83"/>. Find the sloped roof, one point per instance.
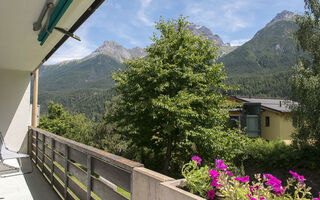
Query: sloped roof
<point x="277" y="105"/>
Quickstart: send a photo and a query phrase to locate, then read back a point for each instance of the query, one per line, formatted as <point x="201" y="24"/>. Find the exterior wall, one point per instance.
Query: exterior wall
<point x="273" y="131"/>
<point x="14" y="108"/>
<point x="286" y="128"/>
<point x="280" y="126"/>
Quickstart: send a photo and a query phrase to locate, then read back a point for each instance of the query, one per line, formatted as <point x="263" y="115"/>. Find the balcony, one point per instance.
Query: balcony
<point x="77" y="171"/>
<point x="65" y="169"/>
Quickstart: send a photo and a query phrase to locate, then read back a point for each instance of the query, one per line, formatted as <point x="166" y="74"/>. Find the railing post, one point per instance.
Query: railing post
<point x="89" y="171"/>
<point x="43" y="151"/>
<point x="30" y="142"/>
<point x="52" y="159"/>
<point x="66" y="157"/>
<point x="37" y="137"/>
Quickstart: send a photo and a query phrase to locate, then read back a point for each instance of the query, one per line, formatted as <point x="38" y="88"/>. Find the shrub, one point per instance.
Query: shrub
<point x="276" y="154"/>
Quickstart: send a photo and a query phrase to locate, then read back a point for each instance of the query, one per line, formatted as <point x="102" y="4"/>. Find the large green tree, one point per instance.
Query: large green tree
<point x="173" y="98"/>
<point x="306" y="81"/>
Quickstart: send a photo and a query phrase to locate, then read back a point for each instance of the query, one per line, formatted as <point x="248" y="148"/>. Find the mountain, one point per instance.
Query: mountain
<point x="224" y="48"/>
<point x="92" y="72"/>
<point x="271" y="50"/>
<point x="81" y="86"/>
<point x="117" y="51"/>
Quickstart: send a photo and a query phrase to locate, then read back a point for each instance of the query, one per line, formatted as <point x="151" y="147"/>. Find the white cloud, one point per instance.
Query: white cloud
<point x="218" y="14"/>
<point x="238" y="42"/>
<point x="141" y="12"/>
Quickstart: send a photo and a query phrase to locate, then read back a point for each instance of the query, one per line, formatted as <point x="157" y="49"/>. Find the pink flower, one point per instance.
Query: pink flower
<point x="301" y="179"/>
<point x="317" y="198"/>
<point x="274" y="183"/>
<point x="243" y="179"/>
<point x="229" y="173"/>
<point x="262" y="198"/>
<point x="197" y="158"/>
<point x="214" y="174"/>
<point x="211" y="194"/>
<point x="220" y="165"/>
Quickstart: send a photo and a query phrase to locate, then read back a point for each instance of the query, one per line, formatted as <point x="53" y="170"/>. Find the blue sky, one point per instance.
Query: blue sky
<point x="131" y="22"/>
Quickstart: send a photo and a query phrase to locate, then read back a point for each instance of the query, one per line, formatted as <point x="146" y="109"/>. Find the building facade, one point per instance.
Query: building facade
<point x="270" y="119"/>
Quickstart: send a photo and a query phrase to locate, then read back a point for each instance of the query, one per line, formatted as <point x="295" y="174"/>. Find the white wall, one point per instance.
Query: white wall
<point x="14" y="108"/>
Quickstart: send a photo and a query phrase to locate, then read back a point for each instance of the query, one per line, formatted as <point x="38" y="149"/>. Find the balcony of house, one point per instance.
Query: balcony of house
<point x="65" y="169"/>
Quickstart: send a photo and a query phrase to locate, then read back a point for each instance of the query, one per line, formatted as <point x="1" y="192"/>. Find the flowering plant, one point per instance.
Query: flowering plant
<point x="219" y="183"/>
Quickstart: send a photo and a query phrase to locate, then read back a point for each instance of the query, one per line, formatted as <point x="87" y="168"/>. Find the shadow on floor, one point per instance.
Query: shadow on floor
<point x="38" y="186"/>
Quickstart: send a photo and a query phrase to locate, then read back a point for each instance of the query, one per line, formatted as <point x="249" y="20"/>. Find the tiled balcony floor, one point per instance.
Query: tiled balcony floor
<point x="27" y="186"/>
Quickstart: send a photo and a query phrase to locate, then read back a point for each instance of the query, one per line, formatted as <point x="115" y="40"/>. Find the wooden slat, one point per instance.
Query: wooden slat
<point x="76" y="189"/>
<point x="47" y="161"/>
<point x="47" y="151"/>
<point x="78" y="157"/>
<point x="70" y="197"/>
<point x="40" y="145"/>
<point x="112" y="174"/>
<point x="58" y="186"/>
<point x="59" y="158"/>
<point x="58" y="172"/>
<point x="78" y="173"/>
<point x="40" y="136"/>
<point x="59" y="147"/>
<point x="47" y="172"/>
<point x="104" y="191"/>
<point x="39" y="162"/>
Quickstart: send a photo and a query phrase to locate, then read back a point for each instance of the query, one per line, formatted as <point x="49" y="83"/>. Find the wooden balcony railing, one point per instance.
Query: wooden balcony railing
<point x="78" y="171"/>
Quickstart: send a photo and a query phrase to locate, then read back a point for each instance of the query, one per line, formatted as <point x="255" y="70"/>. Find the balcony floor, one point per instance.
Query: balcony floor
<point x="27" y="186"/>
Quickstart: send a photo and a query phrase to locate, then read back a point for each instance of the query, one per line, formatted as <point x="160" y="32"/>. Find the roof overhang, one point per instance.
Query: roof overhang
<point x="240" y="100"/>
<point x="19" y="47"/>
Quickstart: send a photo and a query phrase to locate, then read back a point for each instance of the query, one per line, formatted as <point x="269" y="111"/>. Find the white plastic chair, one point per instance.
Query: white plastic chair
<point x="5" y="154"/>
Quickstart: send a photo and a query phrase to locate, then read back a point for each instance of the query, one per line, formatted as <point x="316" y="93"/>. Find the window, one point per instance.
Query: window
<point x="234" y="122"/>
<point x="267" y="121"/>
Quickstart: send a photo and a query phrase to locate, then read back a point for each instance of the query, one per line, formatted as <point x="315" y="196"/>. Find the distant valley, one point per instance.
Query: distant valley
<point x="260" y="67"/>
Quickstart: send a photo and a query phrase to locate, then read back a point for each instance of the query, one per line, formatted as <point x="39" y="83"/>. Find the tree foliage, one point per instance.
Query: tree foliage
<point x="306" y="81"/>
<point x="174" y="95"/>
<point x="61" y="122"/>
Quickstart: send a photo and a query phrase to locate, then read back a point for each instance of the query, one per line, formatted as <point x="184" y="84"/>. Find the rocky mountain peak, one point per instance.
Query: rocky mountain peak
<point x="202" y="30"/>
<point x="284" y="15"/>
<point x="117" y="51"/>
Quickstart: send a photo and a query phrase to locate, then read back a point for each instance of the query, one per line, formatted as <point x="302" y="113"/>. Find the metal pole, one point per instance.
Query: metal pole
<point x="35" y="99"/>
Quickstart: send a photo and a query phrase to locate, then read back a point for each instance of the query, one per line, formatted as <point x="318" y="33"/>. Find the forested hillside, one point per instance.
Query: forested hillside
<point x="270" y="85"/>
<point x="81" y="86"/>
<point x="272" y="49"/>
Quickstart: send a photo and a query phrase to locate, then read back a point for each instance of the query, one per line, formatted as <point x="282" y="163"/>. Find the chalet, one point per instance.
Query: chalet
<point x="268" y="118"/>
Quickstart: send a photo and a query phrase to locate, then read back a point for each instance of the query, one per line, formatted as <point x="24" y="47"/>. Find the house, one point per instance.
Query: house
<point x="268" y="118"/>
